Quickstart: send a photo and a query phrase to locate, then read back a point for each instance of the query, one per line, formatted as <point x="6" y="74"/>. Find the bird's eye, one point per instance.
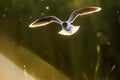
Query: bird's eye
<point x="64" y="24"/>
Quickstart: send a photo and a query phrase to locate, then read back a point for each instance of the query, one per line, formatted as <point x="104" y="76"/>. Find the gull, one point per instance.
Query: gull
<point x="67" y="27"/>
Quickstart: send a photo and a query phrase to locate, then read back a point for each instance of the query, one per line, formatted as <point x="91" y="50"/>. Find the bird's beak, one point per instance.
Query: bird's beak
<point x="68" y="33"/>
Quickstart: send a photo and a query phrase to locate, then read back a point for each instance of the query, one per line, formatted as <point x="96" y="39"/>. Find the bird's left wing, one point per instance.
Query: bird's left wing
<point x="82" y="11"/>
<point x="44" y="21"/>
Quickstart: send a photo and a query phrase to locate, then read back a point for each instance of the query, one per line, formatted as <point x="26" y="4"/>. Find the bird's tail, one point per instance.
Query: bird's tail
<point x="71" y="32"/>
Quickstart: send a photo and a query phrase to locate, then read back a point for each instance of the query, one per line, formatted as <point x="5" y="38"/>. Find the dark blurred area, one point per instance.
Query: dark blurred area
<point x="76" y="56"/>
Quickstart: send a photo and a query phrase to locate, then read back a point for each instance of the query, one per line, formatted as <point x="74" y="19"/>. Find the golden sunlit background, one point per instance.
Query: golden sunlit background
<point x="42" y="54"/>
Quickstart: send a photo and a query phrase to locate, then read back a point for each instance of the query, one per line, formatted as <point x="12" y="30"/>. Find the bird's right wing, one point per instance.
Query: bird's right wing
<point x="44" y="21"/>
<point x="82" y="11"/>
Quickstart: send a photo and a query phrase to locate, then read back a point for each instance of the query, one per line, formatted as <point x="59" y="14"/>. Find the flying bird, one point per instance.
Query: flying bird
<point x="67" y="27"/>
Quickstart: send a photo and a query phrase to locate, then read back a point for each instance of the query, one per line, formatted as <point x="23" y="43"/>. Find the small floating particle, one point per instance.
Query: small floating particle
<point x="117" y="12"/>
<point x="4" y="15"/>
<point x="108" y="43"/>
<point x="20" y="19"/>
<point x="47" y="7"/>
<point x="22" y="41"/>
<point x="24" y="66"/>
<point x="30" y="17"/>
<point x="25" y="72"/>
<point x="42" y="14"/>
<point x="98" y="34"/>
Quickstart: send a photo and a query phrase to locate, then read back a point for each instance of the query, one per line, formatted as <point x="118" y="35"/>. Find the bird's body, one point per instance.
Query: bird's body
<point x="67" y="27"/>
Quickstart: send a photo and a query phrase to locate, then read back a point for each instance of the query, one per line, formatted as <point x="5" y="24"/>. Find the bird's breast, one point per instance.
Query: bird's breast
<point x="68" y="28"/>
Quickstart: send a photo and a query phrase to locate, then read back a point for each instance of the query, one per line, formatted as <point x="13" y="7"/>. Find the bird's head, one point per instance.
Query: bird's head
<point x="64" y="24"/>
<point x="67" y="25"/>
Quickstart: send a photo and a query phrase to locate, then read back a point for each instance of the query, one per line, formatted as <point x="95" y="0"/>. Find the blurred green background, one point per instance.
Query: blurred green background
<point x="91" y="54"/>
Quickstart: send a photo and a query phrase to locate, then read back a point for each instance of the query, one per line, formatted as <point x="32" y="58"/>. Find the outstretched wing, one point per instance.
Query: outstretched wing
<point x="83" y="11"/>
<point x="44" y="21"/>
